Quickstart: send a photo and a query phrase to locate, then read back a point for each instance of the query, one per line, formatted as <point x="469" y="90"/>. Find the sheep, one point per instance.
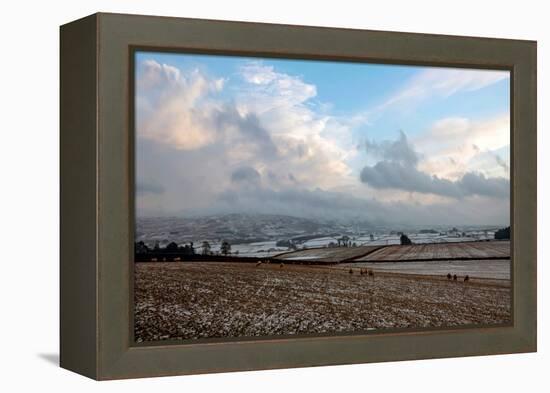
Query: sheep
<point x="177" y="259"/>
<point x="449" y="276"/>
<point x="154" y="260"/>
<point x="281" y="265"/>
<point x="361" y="272"/>
<point x="371" y="273"/>
<point x="350" y="271"/>
<point x="258" y="264"/>
<point x="467" y="278"/>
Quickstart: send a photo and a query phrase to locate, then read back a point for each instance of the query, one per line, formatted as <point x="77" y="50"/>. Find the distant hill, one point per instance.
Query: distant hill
<point x="237" y="228"/>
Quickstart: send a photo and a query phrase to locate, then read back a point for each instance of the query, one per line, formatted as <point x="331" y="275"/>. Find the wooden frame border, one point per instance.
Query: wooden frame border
<point x="97" y="182"/>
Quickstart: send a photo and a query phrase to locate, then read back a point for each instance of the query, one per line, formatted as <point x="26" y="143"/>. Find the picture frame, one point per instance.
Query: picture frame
<point x="97" y="190"/>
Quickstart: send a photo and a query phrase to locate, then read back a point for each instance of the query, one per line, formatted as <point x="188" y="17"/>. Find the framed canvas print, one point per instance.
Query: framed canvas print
<point x="241" y="196"/>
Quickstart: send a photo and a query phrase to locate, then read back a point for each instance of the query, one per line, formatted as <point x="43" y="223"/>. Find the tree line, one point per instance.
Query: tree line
<point x="141" y="248"/>
<point x="503" y="234"/>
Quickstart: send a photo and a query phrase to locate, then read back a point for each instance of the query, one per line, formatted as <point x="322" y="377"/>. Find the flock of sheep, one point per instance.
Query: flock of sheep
<point x="281" y="265"/>
<point x="454" y="277"/>
<point x="363" y="272"/>
<point x="267" y="261"/>
<point x="369" y="272"/>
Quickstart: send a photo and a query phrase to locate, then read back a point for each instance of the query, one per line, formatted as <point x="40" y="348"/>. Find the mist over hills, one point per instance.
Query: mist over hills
<point x="249" y="228"/>
<point x="240" y="228"/>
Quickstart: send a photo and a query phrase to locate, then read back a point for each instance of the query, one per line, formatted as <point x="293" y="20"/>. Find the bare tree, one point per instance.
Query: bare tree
<point x="226" y="248"/>
<point x="205" y="248"/>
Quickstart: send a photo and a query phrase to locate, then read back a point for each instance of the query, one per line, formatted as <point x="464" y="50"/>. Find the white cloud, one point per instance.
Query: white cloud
<point x="444" y="82"/>
<point x="398" y="170"/>
<point x="314" y="144"/>
<point x="266" y="90"/>
<point x="268" y="125"/>
<point x="155" y="74"/>
<point x="456" y="145"/>
<point x="195" y="132"/>
<point x="167" y="109"/>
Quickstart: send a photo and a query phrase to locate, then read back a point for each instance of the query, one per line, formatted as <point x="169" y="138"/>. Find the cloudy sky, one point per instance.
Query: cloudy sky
<point x="387" y="144"/>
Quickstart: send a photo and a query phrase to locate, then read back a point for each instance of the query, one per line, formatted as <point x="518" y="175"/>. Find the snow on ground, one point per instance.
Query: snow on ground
<point x="190" y="300"/>
<point x="319" y="242"/>
<point x="258" y="249"/>
<point x="269" y="248"/>
<point x="497" y="269"/>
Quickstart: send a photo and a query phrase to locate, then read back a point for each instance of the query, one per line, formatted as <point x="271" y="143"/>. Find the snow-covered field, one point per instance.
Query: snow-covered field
<point x="257" y="235"/>
<point x="256" y="249"/>
<point x="497" y="269"/>
<point x="269" y="248"/>
<point x="193" y="300"/>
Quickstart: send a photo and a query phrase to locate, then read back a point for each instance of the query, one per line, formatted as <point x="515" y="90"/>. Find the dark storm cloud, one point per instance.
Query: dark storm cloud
<point x="389" y="174"/>
<point x="400" y="151"/>
<point x="398" y="170"/>
<point x="477" y="184"/>
<point x="249" y="127"/>
<point x="245" y="174"/>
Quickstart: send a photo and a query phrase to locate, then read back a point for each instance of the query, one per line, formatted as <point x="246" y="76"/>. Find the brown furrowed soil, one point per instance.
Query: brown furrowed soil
<point x="192" y="300"/>
<point x="327" y="254"/>
<point x="459" y="250"/>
